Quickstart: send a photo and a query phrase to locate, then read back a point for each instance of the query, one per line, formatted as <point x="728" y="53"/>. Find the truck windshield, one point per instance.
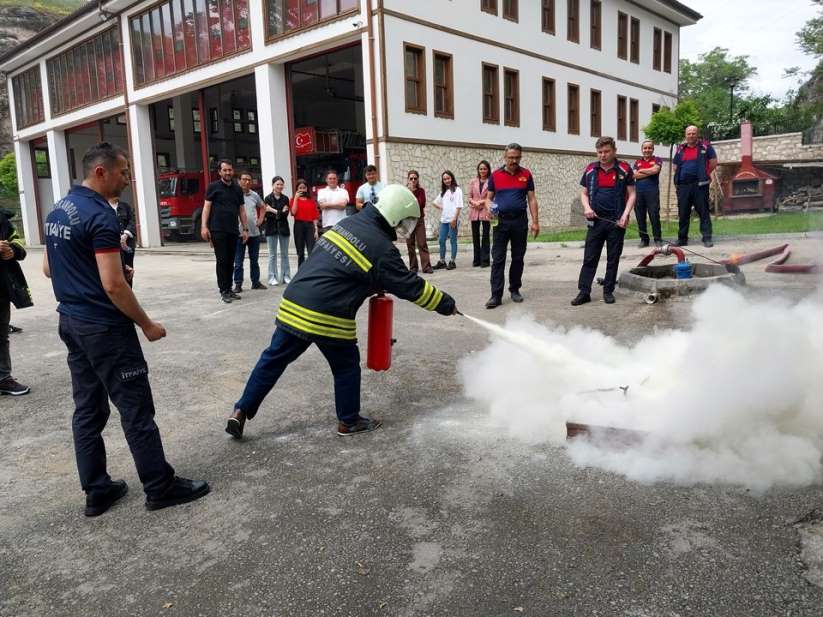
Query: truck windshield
<point x="168" y="187"/>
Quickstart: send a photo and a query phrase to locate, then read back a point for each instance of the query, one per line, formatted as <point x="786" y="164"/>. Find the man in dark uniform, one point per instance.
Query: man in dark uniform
<point x="128" y="229"/>
<point x="608" y="200"/>
<point x="353" y="260"/>
<point x="223" y="207"/>
<point x="98" y="311"/>
<point x="511" y="189"/>
<point x="694" y="163"/>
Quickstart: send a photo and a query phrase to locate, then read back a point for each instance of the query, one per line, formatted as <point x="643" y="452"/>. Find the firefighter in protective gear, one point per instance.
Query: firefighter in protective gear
<point x="350" y="262"/>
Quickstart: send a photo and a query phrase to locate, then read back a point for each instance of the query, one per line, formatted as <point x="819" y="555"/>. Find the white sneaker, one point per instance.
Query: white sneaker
<point x="272" y="282"/>
<point x="287" y="280"/>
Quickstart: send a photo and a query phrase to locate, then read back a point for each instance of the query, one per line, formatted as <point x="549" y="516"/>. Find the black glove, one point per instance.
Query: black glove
<point x="447" y="305"/>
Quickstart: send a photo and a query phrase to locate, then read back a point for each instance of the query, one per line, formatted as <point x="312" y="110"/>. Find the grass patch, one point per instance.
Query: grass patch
<point x="784" y="222"/>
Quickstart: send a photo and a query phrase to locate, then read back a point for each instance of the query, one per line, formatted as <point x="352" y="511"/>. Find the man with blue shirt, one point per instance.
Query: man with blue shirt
<point x="98" y="311"/>
<point x="511" y="190"/>
<point x="608" y="199"/>
<point x="694" y="162"/>
<point x="369" y="190"/>
<point x="647" y="184"/>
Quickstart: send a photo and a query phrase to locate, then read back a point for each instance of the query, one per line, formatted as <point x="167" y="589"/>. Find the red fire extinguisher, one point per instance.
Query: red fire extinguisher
<point x="380" y="343"/>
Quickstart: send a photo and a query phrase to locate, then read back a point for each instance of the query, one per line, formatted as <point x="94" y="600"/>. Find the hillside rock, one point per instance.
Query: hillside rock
<point x="17" y="24"/>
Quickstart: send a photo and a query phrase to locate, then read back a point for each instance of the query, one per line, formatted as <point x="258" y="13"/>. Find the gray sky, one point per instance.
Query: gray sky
<point x="766" y="34"/>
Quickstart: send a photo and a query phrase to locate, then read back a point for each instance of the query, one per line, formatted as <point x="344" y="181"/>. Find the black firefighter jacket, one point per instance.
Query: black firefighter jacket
<point x="350" y="262"/>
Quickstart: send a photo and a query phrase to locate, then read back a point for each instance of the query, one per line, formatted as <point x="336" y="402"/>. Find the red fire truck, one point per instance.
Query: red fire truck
<point x="181" y="204"/>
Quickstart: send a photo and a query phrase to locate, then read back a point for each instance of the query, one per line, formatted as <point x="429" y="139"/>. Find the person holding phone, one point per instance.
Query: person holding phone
<point x="306" y="221"/>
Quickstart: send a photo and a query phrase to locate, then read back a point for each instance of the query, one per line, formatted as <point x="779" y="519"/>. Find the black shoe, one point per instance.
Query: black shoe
<point x="100" y="501"/>
<point x="180" y="491"/>
<point x="440" y="265"/>
<point x="12" y="387"/>
<point x="484" y="264"/>
<point x="14" y="329"/>
<point x="238" y="288"/>
<point x="235" y="424"/>
<point x="451" y="265"/>
<point x="608" y="297"/>
<point x="708" y="244"/>
<point x="258" y="285"/>
<point x="233" y="295"/>
<point x="658" y="243"/>
<point x="643" y="244"/>
<point x="681" y="243"/>
<point x="226" y="298"/>
<point x="475" y="264"/>
<point x="363" y="425"/>
<point x="581" y="298"/>
<point x="428" y="270"/>
<point x="517" y="296"/>
<point x="493" y="302"/>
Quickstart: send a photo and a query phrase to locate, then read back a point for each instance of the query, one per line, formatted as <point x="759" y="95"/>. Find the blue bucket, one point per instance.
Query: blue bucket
<point x="683" y="270"/>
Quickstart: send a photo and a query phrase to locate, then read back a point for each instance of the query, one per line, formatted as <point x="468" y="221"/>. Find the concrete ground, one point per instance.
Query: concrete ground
<point x="438" y="513"/>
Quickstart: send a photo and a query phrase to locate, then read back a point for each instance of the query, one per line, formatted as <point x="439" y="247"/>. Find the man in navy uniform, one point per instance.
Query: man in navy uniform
<point x="608" y="200"/>
<point x="694" y="163"/>
<point x="98" y="311"/>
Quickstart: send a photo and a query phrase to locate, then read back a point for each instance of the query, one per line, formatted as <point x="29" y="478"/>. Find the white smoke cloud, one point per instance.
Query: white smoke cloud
<point x="736" y="399"/>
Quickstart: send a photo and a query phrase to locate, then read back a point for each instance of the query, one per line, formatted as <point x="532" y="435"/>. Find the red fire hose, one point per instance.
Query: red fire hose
<point x="668" y="249"/>
<point x="750" y="257"/>
<point x="779" y="265"/>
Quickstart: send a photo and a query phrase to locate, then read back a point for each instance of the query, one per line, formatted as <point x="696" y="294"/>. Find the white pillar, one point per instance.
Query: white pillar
<point x="144" y="182"/>
<point x="25" y="187"/>
<point x="273" y="124"/>
<point x="59" y="164"/>
<point x="185" y="144"/>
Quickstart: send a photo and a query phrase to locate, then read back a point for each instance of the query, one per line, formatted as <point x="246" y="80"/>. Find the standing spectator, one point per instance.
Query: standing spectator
<point x="449" y="202"/>
<point x="221" y="210"/>
<point x="255" y="212"/>
<point x="98" y="311"/>
<point x="369" y="190"/>
<point x="608" y="197"/>
<point x="511" y="192"/>
<point x="418" y="236"/>
<point x="128" y="229"/>
<point x="306" y="220"/>
<point x="694" y="161"/>
<point x="277" y="231"/>
<point x="332" y="200"/>
<point x="479" y="214"/>
<point x="647" y="185"/>
<point x="13" y="290"/>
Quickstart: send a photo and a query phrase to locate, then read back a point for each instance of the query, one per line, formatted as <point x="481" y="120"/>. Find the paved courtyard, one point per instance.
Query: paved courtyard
<point x="440" y="512"/>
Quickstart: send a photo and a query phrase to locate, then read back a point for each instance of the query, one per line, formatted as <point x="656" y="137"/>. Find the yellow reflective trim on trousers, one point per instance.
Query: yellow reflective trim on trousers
<point x="425" y="295"/>
<point x="323" y="318"/>
<point x="435" y="301"/>
<point x="310" y="328"/>
<point x="348" y="248"/>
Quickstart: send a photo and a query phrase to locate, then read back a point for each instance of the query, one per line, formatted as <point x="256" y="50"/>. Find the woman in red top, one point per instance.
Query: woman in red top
<point x="305" y="213"/>
<point x="418" y="236"/>
<point x="479" y="214"/>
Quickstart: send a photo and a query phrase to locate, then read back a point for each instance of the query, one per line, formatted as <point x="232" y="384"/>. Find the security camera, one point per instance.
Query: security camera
<point x="357" y="24"/>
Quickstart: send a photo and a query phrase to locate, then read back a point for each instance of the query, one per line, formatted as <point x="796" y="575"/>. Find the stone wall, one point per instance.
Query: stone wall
<point x="556" y="176"/>
<point x="785" y="147"/>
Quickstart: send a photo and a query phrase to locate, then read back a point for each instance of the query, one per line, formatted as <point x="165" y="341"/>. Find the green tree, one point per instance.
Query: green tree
<point x="668" y="126"/>
<point x="8" y="174"/>
<point x="810" y="37"/>
<point x="708" y="81"/>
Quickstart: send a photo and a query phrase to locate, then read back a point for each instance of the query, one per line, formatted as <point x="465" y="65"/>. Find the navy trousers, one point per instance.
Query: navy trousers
<point x="107" y="362"/>
<point x="253" y="244"/>
<point x="601" y="232"/>
<point x="690" y="196"/>
<point x="516" y="232"/>
<point x="285" y="348"/>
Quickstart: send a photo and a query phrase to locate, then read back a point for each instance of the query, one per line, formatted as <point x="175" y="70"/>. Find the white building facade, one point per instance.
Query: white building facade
<point x="429" y="85"/>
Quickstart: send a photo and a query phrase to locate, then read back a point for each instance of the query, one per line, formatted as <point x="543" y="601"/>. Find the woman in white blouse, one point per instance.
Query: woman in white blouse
<point x="449" y="202"/>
